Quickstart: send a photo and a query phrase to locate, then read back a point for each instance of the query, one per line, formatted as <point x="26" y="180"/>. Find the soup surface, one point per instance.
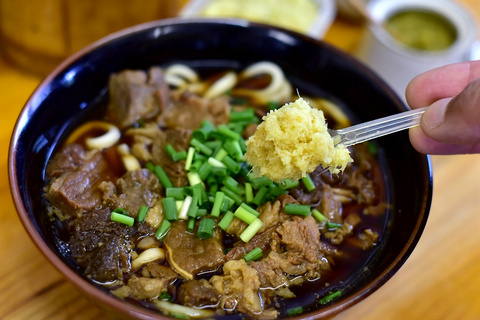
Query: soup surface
<point x="155" y="204"/>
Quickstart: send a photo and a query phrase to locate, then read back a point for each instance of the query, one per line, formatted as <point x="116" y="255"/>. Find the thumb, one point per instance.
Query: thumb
<point x="457" y="120"/>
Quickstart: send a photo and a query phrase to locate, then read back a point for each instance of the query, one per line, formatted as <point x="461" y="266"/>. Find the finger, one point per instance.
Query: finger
<point x="426" y="145"/>
<point x="457" y="120"/>
<point x="442" y="82"/>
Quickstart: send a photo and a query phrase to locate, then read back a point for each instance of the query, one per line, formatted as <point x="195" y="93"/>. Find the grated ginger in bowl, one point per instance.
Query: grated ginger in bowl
<point x="293" y="141"/>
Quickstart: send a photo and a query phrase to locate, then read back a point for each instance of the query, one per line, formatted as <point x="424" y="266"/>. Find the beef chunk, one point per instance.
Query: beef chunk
<point x="102" y="246"/>
<point x="179" y="139"/>
<point x="260" y="240"/>
<point x="189" y="110"/>
<point x="296" y="250"/>
<point x="135" y="96"/>
<point x="198" y="293"/>
<point x="76" y="189"/>
<point x="189" y="255"/>
<point x="142" y="288"/>
<point x="155" y="270"/>
<point x="67" y="159"/>
<point x="135" y="189"/>
<point x="239" y="287"/>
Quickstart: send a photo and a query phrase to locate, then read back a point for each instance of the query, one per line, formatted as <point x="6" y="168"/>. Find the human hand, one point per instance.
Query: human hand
<point x="451" y="124"/>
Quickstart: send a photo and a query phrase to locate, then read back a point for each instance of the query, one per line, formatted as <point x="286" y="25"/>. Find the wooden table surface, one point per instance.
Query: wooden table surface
<point x="440" y="280"/>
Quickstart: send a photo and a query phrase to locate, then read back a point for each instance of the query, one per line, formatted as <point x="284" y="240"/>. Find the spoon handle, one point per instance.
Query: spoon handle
<point x="380" y="127"/>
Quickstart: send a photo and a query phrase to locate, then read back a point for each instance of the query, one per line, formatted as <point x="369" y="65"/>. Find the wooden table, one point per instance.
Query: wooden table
<point x="441" y="279"/>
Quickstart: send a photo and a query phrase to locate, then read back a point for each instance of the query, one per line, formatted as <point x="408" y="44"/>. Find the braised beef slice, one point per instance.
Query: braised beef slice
<point x="102" y="246"/>
<point x="132" y="191"/>
<point x="155" y="270"/>
<point x="189" y="110"/>
<point x="190" y="255"/>
<point x="76" y="189"/>
<point x="197" y="293"/>
<point x="135" y="96"/>
<point x="179" y="139"/>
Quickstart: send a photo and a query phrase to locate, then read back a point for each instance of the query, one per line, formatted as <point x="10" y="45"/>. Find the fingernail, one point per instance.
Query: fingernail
<point x="435" y="114"/>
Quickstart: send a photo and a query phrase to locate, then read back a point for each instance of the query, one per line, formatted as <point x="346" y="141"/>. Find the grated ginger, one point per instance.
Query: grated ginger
<point x="293" y="141"/>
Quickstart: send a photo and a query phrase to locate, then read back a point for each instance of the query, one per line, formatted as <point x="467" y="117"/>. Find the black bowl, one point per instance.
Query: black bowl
<point x="75" y="89"/>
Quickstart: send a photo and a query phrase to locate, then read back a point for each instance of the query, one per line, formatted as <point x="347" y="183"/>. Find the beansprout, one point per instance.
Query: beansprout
<point x="130" y="162"/>
<point x="222" y="85"/>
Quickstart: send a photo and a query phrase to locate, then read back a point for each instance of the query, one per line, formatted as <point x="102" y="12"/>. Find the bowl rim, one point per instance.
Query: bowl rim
<point x="141" y="313"/>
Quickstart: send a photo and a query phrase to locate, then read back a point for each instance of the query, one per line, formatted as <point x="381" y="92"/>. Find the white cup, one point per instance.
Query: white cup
<point x="397" y="64"/>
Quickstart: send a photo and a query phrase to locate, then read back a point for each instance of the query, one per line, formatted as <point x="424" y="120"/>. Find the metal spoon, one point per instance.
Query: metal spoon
<point x="377" y="128"/>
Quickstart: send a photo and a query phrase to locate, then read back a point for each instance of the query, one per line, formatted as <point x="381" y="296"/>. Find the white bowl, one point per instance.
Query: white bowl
<point x="326" y="13"/>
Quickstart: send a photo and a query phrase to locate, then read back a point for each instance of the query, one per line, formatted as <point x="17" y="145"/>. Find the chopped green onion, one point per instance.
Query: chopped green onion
<point x="253" y="255"/>
<point x="180" y="155"/>
<point x="219" y="171"/>
<point x="308" y="183"/>
<point x="243" y="146"/>
<point x="263" y="181"/>
<point x="163" y="177"/>
<point x="170" y="208"/>
<point x="245" y="215"/>
<point x="232" y="184"/>
<point x="176" y="156"/>
<point x="121" y="218"/>
<point x="195" y="166"/>
<point x="221" y="153"/>
<point x="250" y="209"/>
<point x="212" y="182"/>
<point x="202" y="195"/>
<point x="333" y="225"/>
<point x="191" y="225"/>
<point x="288" y="184"/>
<point x="204" y="170"/>
<point x="231" y="164"/>
<point x="176" y="193"/>
<point x="233" y="149"/>
<point x="226" y="220"/>
<point x="215" y="163"/>
<point x="203" y="133"/>
<point x="121" y="211"/>
<point x="275" y="191"/>
<point x="186" y="204"/>
<point x="150" y="166"/>
<point x="330" y="297"/>
<point x="142" y="214"/>
<point x="248" y="192"/>
<point x="179" y="205"/>
<point x="205" y="228"/>
<point x="198" y="156"/>
<point x="258" y="199"/>
<point x="244" y="115"/>
<point x="230" y="201"/>
<point x="226" y="131"/>
<point x="194" y="178"/>
<point x="213" y="144"/>
<point x="188" y="162"/>
<point x="201" y="147"/>
<point x="251" y="230"/>
<point x="317" y="215"/>
<point x="226" y="205"/>
<point x="237" y="198"/>
<point x="201" y="212"/>
<point x="294" y="311"/>
<point x="192" y="211"/>
<point x="165" y="296"/>
<point x="299" y="209"/>
<point x="163" y="230"/>
<point x="207" y="123"/>
<point x="219" y="196"/>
